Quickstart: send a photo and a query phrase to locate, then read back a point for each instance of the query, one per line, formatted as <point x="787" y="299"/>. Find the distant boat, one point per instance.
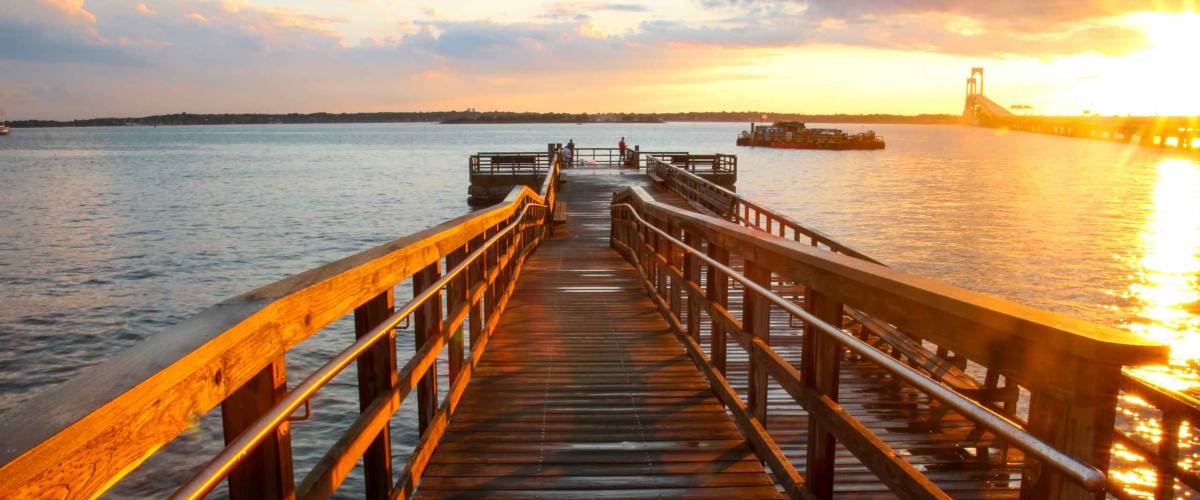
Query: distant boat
<point x="4" y="130"/>
<point x="794" y="135"/>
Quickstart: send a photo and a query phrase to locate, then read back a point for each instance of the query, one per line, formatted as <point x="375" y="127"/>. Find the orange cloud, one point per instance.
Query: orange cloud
<point x="73" y="9"/>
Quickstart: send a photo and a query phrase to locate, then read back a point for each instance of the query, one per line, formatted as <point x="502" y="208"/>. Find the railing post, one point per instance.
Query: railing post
<point x="376" y="375"/>
<point x="676" y="288"/>
<point x="1168" y="452"/>
<point x="1080" y="424"/>
<point x="477" y="275"/>
<point x="819" y="363"/>
<point x="490" y="257"/>
<point x="691" y="272"/>
<point x="456" y="296"/>
<point x="718" y="293"/>
<point x="756" y="320"/>
<point x="266" y="473"/>
<point x="428" y="326"/>
<point x="660" y="268"/>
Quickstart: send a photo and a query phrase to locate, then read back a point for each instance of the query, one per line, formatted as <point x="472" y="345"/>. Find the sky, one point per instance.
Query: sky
<point x="63" y="59"/>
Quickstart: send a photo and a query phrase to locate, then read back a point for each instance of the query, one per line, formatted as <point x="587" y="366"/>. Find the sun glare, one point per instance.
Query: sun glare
<point x="1167" y="294"/>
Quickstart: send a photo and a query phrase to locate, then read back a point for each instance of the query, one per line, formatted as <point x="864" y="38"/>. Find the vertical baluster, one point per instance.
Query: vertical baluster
<point x="266" y="473"/>
<point x="488" y="267"/>
<point x="475" y="277"/>
<point x="691" y="270"/>
<point x="718" y="293"/>
<point x="376" y="376"/>
<point x="456" y="296"/>
<point x="675" y="286"/>
<point x="819" y="363"/>
<point x="1168" y="452"/>
<point x="756" y="319"/>
<point x="662" y="249"/>
<point x="428" y="326"/>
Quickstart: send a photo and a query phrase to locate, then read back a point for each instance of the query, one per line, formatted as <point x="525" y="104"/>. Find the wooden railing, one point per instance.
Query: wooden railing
<point x="1070" y="368"/>
<point x="729" y="205"/>
<point x="510" y="163"/>
<point x="1176" y="409"/>
<point x="78" y="439"/>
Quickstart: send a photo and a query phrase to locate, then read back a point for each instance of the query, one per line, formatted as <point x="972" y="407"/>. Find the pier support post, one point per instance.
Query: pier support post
<point x="376" y="375"/>
<point x="756" y="320"/>
<point x="266" y="473"/>
<point x="428" y="325"/>
<point x="819" y="365"/>
<point x="718" y="293"/>
<point x="1079" y="424"/>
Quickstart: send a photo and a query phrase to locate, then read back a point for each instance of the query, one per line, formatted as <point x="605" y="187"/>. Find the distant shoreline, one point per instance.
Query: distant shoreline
<point x="490" y="118"/>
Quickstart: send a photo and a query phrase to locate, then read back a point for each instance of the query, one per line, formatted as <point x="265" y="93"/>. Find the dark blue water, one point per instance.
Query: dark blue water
<point x="109" y="235"/>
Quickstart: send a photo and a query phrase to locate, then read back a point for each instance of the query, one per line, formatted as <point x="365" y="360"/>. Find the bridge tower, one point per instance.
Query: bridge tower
<point x="979" y="110"/>
<point x="976" y="71"/>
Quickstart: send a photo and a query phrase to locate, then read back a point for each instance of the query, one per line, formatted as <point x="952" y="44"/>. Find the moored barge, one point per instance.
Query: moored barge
<point x="795" y="135"/>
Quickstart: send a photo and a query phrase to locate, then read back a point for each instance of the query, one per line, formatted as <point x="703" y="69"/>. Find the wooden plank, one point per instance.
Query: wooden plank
<point x="266" y="472"/>
<point x="376" y="377"/>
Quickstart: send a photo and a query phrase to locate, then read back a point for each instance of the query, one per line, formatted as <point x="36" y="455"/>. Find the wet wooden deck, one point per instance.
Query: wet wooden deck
<point x="585" y="392"/>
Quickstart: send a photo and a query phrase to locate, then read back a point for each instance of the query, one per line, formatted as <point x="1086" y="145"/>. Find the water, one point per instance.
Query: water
<point x="112" y="234"/>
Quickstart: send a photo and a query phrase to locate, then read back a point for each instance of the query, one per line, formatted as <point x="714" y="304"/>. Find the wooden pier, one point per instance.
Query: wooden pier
<point x="669" y="338"/>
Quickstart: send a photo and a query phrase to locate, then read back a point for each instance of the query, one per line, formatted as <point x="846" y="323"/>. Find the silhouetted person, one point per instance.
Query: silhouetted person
<point x="621" y="147"/>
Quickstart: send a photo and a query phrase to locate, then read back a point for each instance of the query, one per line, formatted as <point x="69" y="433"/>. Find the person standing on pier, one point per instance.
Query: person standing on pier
<point x="568" y="154"/>
<point x="621" y="147"/>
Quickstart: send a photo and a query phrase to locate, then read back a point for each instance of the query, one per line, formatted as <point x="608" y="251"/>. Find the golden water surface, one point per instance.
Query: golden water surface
<point x="1163" y="301"/>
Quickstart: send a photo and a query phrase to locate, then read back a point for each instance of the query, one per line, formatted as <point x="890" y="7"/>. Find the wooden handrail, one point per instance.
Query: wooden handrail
<point x="735" y="207"/>
<point x="79" y="438"/>
<point x="921" y="306"/>
<point x="1069" y="366"/>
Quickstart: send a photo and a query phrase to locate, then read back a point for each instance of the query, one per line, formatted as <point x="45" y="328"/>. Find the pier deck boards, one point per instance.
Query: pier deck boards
<point x="584" y="391"/>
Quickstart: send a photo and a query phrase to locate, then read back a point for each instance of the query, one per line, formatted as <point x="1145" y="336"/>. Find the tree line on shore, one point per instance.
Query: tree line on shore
<point x="474" y="117"/>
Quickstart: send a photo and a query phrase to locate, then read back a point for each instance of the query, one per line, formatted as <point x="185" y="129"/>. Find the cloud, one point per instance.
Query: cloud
<point x="1020" y="28"/>
<point x="566" y="10"/>
<point x="56" y="31"/>
<point x="227" y="55"/>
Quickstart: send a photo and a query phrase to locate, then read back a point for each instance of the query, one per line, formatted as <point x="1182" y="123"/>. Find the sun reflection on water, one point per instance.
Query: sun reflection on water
<point x="1164" y="304"/>
<point x="1165" y="294"/>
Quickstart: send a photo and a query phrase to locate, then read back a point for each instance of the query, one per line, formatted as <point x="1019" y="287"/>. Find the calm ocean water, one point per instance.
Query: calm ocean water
<point x="112" y="234"/>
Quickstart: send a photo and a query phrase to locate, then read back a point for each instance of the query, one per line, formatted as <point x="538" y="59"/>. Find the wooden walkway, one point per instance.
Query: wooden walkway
<point x="584" y="392"/>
